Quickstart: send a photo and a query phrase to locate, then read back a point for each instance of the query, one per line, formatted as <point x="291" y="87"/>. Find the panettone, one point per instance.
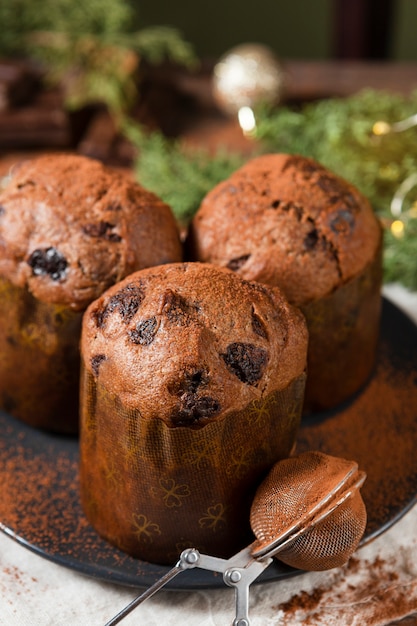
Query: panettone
<point x="192" y="388"/>
<point x="286" y="220"/>
<point x="69" y="228"/>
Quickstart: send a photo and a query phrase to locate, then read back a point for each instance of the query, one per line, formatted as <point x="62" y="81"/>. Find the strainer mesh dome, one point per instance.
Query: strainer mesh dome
<point x="290" y="492"/>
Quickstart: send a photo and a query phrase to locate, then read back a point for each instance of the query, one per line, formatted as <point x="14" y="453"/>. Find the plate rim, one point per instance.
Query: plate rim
<point x="194" y="579"/>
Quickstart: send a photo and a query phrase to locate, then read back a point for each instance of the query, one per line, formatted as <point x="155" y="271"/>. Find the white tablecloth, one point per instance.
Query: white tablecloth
<point x="377" y="586"/>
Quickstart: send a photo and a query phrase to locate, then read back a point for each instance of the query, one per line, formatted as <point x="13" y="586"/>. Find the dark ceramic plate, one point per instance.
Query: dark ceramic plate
<point x="40" y="507"/>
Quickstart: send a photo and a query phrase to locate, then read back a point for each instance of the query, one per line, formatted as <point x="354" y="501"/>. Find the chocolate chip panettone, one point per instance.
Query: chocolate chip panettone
<point x="192" y="389"/>
<point x="69" y="228"/>
<point x="288" y="221"/>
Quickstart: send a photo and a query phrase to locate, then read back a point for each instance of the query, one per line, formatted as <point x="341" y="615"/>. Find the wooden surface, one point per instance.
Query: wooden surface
<point x="318" y="79"/>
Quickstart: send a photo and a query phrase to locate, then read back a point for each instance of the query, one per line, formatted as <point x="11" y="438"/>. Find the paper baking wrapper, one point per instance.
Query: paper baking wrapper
<point x="153" y="490"/>
<point x="39" y="360"/>
<point x="343" y="337"/>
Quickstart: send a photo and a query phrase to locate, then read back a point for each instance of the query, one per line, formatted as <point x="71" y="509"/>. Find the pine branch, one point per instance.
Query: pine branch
<point x="90" y="48"/>
<point x="180" y="177"/>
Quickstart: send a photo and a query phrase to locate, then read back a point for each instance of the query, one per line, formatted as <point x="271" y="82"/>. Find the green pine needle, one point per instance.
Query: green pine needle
<point x="92" y="48"/>
<point x="180" y="177"/>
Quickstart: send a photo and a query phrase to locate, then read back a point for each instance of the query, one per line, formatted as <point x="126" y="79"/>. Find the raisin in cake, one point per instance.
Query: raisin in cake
<point x="192" y="388"/>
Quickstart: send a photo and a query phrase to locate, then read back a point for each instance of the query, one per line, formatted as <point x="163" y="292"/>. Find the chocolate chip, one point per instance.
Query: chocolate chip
<point x="246" y="361"/>
<point x="236" y="263"/>
<point x="311" y="239"/>
<point x="96" y="361"/>
<point x="144" y="332"/>
<point x="291" y="207"/>
<point x="26" y="183"/>
<point x="177" y="309"/>
<point x="258" y="287"/>
<point x="101" y="230"/>
<point x="126" y="302"/>
<point x="95" y="230"/>
<point x="343" y="222"/>
<point x="350" y="201"/>
<point x="275" y="204"/>
<point x="114" y="206"/>
<point x="48" y="261"/>
<point x="2" y="210"/>
<point x="193" y="409"/>
<point x="331" y="186"/>
<point x="295" y="208"/>
<point x="190" y="382"/>
<point x="258" y="325"/>
<point x="306" y="166"/>
<point x="99" y="315"/>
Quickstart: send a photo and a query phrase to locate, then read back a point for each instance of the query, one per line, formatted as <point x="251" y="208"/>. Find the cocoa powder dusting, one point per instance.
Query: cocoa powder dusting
<point x="378" y="596"/>
<point x="378" y="429"/>
<point x="303" y="600"/>
<point x="18" y="578"/>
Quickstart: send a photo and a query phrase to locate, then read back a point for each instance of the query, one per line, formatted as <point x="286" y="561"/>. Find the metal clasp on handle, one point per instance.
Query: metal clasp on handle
<point x="240" y="571"/>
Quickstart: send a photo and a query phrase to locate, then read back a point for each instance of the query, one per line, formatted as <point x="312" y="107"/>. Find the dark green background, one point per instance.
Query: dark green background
<point x="293" y="28"/>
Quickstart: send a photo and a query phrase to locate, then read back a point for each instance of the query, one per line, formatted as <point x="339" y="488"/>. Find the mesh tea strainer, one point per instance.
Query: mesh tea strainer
<point x="308" y="513"/>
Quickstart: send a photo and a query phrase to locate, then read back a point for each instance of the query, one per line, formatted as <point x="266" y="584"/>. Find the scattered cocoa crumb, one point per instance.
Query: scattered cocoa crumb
<point x="379" y="595"/>
<point x="302" y="600"/>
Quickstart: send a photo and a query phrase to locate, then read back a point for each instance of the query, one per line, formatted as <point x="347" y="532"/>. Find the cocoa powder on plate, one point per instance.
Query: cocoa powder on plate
<point x="379" y="431"/>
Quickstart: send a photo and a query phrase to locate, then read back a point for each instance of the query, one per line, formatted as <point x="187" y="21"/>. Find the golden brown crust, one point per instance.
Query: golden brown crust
<point x="71" y="227"/>
<point x="288" y="221"/>
<point x="190" y="342"/>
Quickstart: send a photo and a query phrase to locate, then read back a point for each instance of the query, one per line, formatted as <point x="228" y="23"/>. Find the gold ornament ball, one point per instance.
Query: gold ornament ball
<point x="246" y="76"/>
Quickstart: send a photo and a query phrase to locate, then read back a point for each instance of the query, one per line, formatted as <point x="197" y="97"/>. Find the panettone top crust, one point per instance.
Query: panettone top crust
<point x="71" y="227"/>
<point x="190" y="342"/>
<point x="286" y="220"/>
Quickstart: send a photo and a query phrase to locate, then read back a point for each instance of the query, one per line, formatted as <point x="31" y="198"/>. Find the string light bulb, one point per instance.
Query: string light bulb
<point x="384" y="128"/>
<point x="397" y="203"/>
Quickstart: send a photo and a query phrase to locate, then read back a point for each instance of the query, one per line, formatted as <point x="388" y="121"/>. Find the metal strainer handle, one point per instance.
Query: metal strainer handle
<point x="187" y="560"/>
<point x="292" y="517"/>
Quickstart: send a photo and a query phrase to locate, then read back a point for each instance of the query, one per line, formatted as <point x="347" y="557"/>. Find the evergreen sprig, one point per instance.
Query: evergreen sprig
<point x="179" y="176"/>
<point x="92" y="48"/>
<point x="20" y="18"/>
<point x="400" y="257"/>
